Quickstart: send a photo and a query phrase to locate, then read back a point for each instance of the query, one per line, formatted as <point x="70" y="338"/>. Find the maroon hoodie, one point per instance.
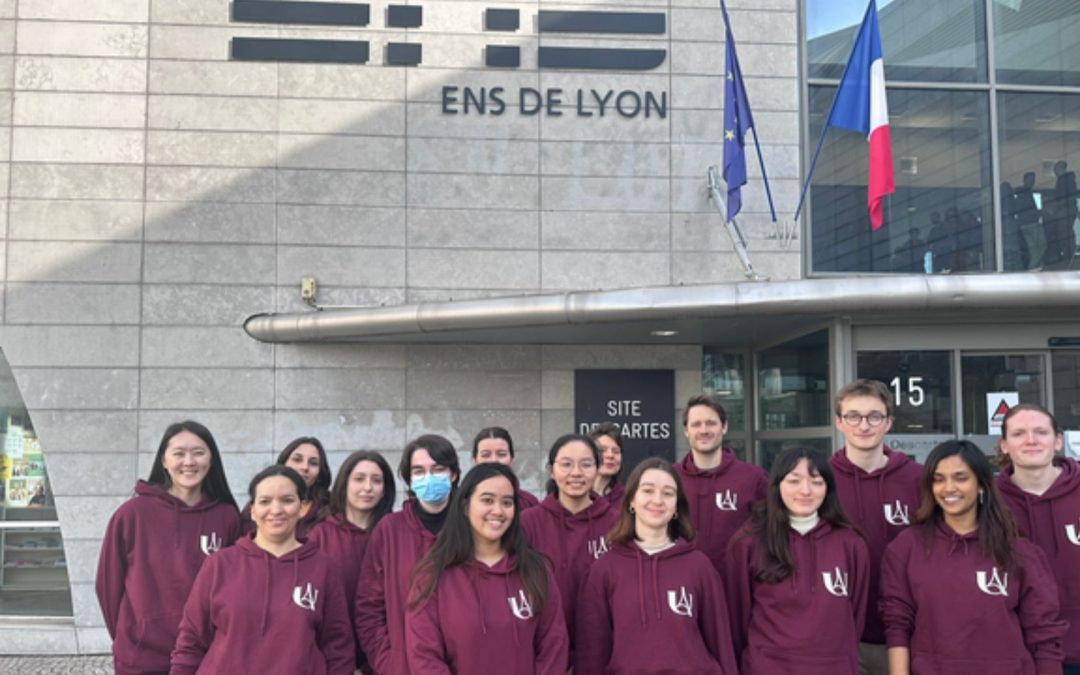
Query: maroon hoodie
<point x="571" y="541"/>
<point x="881" y="504"/>
<point x="615" y="495"/>
<point x="946" y="601"/>
<point x="661" y="613"/>
<point x="1052" y="522"/>
<point x="153" y="548"/>
<point x="308" y="521"/>
<point x="810" y="622"/>
<point x="478" y="620"/>
<point x="396" y="544"/>
<point x="345" y="543"/>
<point x="526" y="500"/>
<point x="720" y="500"/>
<point x="252" y="612"/>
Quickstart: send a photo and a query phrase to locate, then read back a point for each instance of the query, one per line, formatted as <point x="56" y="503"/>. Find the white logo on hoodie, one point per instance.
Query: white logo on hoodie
<point x="683" y="603"/>
<point x="305" y="598"/>
<point x="838" y="586"/>
<point x="1072" y="534"/>
<point x="997" y="584"/>
<point x="896" y="514"/>
<point x="210" y="544"/>
<point x="598" y="547"/>
<point x="727" y="500"/>
<point x="521" y="607"/>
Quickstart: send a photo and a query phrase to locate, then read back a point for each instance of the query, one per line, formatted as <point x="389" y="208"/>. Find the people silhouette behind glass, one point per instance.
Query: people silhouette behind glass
<point x="942" y="241"/>
<point x="1027" y="215"/>
<point x="1059" y="216"/>
<point x="1017" y="256"/>
<point x="909" y="256"/>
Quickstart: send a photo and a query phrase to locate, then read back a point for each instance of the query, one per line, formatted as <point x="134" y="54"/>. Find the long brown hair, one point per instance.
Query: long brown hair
<point x="680" y="526"/>
<point x="454" y="545"/>
<point x="770" y="522"/>
<point x="994" y="523"/>
<point x="339" y="494"/>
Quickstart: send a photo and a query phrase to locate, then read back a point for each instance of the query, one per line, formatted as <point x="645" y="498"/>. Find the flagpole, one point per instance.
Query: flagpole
<point x="825" y="128"/>
<point x="753" y="128"/>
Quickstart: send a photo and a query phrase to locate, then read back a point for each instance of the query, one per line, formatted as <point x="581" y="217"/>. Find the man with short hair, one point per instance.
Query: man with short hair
<point x="878" y="490"/>
<point x="719" y="488"/>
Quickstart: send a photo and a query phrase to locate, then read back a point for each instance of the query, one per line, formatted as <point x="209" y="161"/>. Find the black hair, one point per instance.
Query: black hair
<point x="339" y="494"/>
<point x="770" y="522"/>
<point x="492" y="432"/>
<point x="278" y="470"/>
<point x="561" y="441"/>
<point x="441" y="451"/>
<point x="454" y="545"/>
<point x="215" y="485"/>
<point x="321" y="489"/>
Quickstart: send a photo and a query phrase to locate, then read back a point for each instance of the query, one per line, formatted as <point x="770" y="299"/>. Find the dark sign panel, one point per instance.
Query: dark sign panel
<point x="641" y="402"/>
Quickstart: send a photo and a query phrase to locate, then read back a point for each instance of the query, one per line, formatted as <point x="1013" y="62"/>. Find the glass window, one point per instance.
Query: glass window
<point x="921" y="386"/>
<point x="1040" y="150"/>
<point x="1037" y="41"/>
<point x="923" y="40"/>
<point x="982" y="375"/>
<point x="793" y="383"/>
<point x="722" y="378"/>
<point x="939" y="219"/>
<point x="1066" y="365"/>
<point x="33" y="567"/>
<point x="769" y="449"/>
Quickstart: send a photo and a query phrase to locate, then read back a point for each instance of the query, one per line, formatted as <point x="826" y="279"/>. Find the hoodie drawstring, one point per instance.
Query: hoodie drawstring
<point x="641" y="589"/>
<point x="656" y="586"/>
<point x="266" y="595"/>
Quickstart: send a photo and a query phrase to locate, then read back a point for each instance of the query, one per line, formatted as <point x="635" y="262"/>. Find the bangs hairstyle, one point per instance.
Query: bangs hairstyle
<point x="993" y="522"/>
<point x="553" y="454"/>
<point x="339" y="494"/>
<point x="214" y="485"/>
<point x="1003" y="459"/>
<point x="864" y="387"/>
<point x="441" y="451"/>
<point x="321" y="489"/>
<point x="454" y="544"/>
<point x="625" y="530"/>
<point x="492" y="432"/>
<point x="278" y="470"/>
<point x="770" y="522"/>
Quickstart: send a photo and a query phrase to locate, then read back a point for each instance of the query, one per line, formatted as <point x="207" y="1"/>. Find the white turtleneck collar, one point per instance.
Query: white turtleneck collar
<point x="803" y="524"/>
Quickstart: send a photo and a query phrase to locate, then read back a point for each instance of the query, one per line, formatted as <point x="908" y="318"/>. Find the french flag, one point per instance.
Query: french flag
<point x="860" y="106"/>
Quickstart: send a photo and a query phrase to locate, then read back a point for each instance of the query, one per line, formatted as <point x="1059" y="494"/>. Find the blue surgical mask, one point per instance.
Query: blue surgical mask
<point x="432" y="488"/>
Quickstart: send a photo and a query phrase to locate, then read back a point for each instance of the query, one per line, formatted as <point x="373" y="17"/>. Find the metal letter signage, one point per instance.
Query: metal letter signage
<point x="641" y="402"/>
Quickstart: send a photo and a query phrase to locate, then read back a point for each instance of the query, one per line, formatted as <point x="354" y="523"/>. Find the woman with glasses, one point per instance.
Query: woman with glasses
<point x="797" y="576"/>
<point x="484" y="600"/>
<point x="570" y="526"/>
<point x="429" y="467"/>
<point x="961" y="593"/>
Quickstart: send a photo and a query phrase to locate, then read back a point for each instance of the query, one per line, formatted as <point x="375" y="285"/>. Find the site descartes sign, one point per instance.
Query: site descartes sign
<point x="641" y="402"/>
<point x="500" y="24"/>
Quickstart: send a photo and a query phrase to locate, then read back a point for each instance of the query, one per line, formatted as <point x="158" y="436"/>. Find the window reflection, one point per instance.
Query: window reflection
<point x="1037" y="41"/>
<point x="939" y="219"/>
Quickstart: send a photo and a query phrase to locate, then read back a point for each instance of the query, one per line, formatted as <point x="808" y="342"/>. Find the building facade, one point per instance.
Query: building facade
<point x="490" y="201"/>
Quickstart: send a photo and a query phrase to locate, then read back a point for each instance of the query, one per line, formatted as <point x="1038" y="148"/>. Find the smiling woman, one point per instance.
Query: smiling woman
<point x="483" y="566"/>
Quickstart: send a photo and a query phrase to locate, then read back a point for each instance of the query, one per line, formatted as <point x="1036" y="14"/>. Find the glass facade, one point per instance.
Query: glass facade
<point x="951" y="113"/>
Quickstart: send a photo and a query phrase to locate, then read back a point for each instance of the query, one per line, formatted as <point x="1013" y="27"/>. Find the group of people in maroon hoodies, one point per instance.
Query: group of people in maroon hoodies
<point x="864" y="562"/>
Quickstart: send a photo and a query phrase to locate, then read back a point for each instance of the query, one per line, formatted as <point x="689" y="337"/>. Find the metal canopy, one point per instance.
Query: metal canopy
<point x="743" y="313"/>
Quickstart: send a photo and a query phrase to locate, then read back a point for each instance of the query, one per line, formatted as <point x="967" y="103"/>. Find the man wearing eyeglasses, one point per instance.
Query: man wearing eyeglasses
<point x="879" y="491"/>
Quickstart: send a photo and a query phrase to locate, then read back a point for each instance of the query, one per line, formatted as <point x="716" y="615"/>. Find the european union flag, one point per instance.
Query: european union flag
<point x="737" y="121"/>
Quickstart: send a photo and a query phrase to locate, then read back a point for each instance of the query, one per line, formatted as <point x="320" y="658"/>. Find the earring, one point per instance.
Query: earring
<point x="631" y="509"/>
<point x="981" y="497"/>
<point x="675" y="515"/>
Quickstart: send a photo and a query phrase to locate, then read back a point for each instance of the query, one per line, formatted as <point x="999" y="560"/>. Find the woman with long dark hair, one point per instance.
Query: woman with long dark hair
<point x="569" y="526"/>
<point x="362" y="494"/>
<point x="483" y="600"/>
<point x="654" y="604"/>
<point x="797" y="576"/>
<point x="270" y="604"/>
<point x="157" y="541"/>
<point x="494" y="444"/>
<point x="961" y="593"/>
<point x="305" y="456"/>
<point x="429" y="466"/>
<point x="608" y="438"/>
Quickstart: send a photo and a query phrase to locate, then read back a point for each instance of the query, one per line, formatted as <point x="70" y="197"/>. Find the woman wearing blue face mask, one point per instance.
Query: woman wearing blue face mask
<point x="429" y="467"/>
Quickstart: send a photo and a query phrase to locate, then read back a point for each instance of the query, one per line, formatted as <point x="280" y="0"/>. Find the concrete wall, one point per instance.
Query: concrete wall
<point x="159" y="193"/>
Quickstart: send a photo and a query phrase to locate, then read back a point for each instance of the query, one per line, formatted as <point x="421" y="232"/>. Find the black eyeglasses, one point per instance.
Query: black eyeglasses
<point x="854" y="419"/>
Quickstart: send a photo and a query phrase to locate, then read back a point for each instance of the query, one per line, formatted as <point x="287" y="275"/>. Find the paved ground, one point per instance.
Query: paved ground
<point x="56" y="665"/>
